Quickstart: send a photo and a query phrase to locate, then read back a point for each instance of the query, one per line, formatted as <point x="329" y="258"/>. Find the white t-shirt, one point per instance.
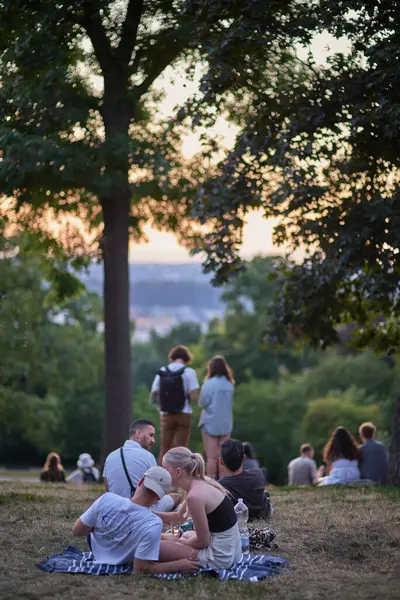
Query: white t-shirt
<point x="190" y="383"/>
<point x="343" y="471"/>
<point x="302" y="471"/>
<point x="123" y="530"/>
<point x="137" y="461"/>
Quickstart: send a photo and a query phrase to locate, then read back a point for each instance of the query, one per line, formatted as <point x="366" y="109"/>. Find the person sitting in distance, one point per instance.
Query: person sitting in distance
<point x="373" y="455"/>
<point x="251" y="461"/>
<point x="303" y="469"/>
<point x="341" y="455"/>
<point x="122" y="530"/>
<point x="86" y="473"/>
<point x="125" y="467"/>
<point x="53" y="471"/>
<point x="247" y="484"/>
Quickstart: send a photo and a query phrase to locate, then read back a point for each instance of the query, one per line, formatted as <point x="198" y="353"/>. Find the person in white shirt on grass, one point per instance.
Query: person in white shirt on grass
<point x="86" y="473"/>
<point x="303" y="469"/>
<point x="175" y="388"/>
<point x="137" y="458"/>
<point x="122" y="530"/>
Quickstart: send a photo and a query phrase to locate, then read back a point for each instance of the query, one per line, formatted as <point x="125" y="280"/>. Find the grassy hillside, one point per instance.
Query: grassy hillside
<point x="341" y="544"/>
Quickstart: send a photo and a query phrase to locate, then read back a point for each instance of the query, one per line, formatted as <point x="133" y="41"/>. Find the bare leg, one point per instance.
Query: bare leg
<point x="170" y="551"/>
<point x="211" y="449"/>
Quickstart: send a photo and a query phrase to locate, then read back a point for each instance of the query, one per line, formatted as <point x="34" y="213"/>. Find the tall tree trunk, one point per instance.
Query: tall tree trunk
<point x="118" y="411"/>
<point x="394" y="452"/>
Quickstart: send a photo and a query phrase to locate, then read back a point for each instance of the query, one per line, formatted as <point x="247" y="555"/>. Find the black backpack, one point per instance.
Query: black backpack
<point x="172" y="391"/>
<point x="88" y="476"/>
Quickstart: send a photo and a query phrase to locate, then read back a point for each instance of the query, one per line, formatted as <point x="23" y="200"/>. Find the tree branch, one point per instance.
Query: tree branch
<point x="130" y="29"/>
<point x="94" y="28"/>
<point x="166" y="57"/>
<point x="136" y="61"/>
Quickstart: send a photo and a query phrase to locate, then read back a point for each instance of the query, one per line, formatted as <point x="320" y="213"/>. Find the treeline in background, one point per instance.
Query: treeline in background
<point x="52" y="392"/>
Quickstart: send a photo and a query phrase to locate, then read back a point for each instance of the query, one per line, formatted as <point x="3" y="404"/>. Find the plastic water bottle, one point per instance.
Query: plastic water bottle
<point x="242" y="514"/>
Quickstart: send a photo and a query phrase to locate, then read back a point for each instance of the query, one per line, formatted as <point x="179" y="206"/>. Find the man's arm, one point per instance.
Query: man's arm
<point x="184" y="565"/>
<point x="79" y="529"/>
<point x="86" y="522"/>
<point x="155" y="397"/>
<point x="155" y="391"/>
<point x="314" y="473"/>
<point x="192" y="385"/>
<point x="193" y="396"/>
<point x="75" y="477"/>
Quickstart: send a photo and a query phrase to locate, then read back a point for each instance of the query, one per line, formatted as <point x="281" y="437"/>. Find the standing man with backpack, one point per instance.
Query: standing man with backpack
<point x="174" y="389"/>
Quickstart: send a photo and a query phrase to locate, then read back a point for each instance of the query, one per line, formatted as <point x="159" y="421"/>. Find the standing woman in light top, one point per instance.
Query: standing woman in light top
<point x="216" y="398"/>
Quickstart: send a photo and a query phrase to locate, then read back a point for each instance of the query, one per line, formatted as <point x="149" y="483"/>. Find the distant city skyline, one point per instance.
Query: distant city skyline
<point x="164" y="248"/>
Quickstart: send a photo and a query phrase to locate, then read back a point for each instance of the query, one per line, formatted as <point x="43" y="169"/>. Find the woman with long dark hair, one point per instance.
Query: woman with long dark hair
<point x="341" y="456"/>
<point x="53" y="471"/>
<point x="251" y="461"/>
<point x="216" y="399"/>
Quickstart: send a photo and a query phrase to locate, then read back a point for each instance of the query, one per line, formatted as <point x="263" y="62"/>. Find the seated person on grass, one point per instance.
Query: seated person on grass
<point x="125" y="467"/>
<point x="122" y="530"/>
<point x="247" y="484"/>
<point x="303" y="469"/>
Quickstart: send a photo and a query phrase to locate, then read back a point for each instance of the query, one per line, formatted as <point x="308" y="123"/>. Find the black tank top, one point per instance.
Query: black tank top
<point x="223" y="517"/>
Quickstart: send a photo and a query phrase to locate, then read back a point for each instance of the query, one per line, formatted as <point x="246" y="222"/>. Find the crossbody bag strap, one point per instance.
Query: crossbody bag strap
<point x="133" y="489"/>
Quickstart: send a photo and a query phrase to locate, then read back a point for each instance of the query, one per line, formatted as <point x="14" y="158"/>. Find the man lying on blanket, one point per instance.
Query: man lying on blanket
<point x="123" y="530"/>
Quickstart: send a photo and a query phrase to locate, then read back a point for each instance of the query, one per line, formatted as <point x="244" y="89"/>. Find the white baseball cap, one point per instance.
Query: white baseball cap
<point x="158" y="480"/>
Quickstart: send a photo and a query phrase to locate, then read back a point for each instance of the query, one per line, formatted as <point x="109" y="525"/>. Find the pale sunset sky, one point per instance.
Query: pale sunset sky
<point x="163" y="247"/>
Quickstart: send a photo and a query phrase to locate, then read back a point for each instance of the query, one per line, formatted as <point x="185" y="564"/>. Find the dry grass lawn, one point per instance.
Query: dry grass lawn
<point x="341" y="543"/>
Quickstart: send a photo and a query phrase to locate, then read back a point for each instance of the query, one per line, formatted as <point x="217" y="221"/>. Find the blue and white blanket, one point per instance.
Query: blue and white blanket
<point x="252" y="567"/>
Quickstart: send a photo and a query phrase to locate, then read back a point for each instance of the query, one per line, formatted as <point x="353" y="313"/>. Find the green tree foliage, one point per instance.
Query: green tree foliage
<point x="326" y="413"/>
<point x="366" y="372"/>
<point x="239" y="337"/>
<point x="321" y="154"/>
<point x="102" y="153"/>
<point x="51" y="365"/>
<point x="268" y="415"/>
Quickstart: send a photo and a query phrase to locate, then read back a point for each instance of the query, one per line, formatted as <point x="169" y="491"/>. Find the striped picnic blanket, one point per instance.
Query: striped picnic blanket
<point x="252" y="567"/>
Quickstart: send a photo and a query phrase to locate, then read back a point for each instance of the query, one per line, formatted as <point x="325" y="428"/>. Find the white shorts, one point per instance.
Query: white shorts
<point x="224" y="550"/>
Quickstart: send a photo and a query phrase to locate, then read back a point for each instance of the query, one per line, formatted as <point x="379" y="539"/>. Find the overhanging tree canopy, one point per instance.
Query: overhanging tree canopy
<point x="101" y="153"/>
<point x="322" y="153"/>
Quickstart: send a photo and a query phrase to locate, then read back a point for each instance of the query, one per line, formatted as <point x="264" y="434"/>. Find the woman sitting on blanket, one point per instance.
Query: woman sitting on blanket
<point x="215" y="541"/>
